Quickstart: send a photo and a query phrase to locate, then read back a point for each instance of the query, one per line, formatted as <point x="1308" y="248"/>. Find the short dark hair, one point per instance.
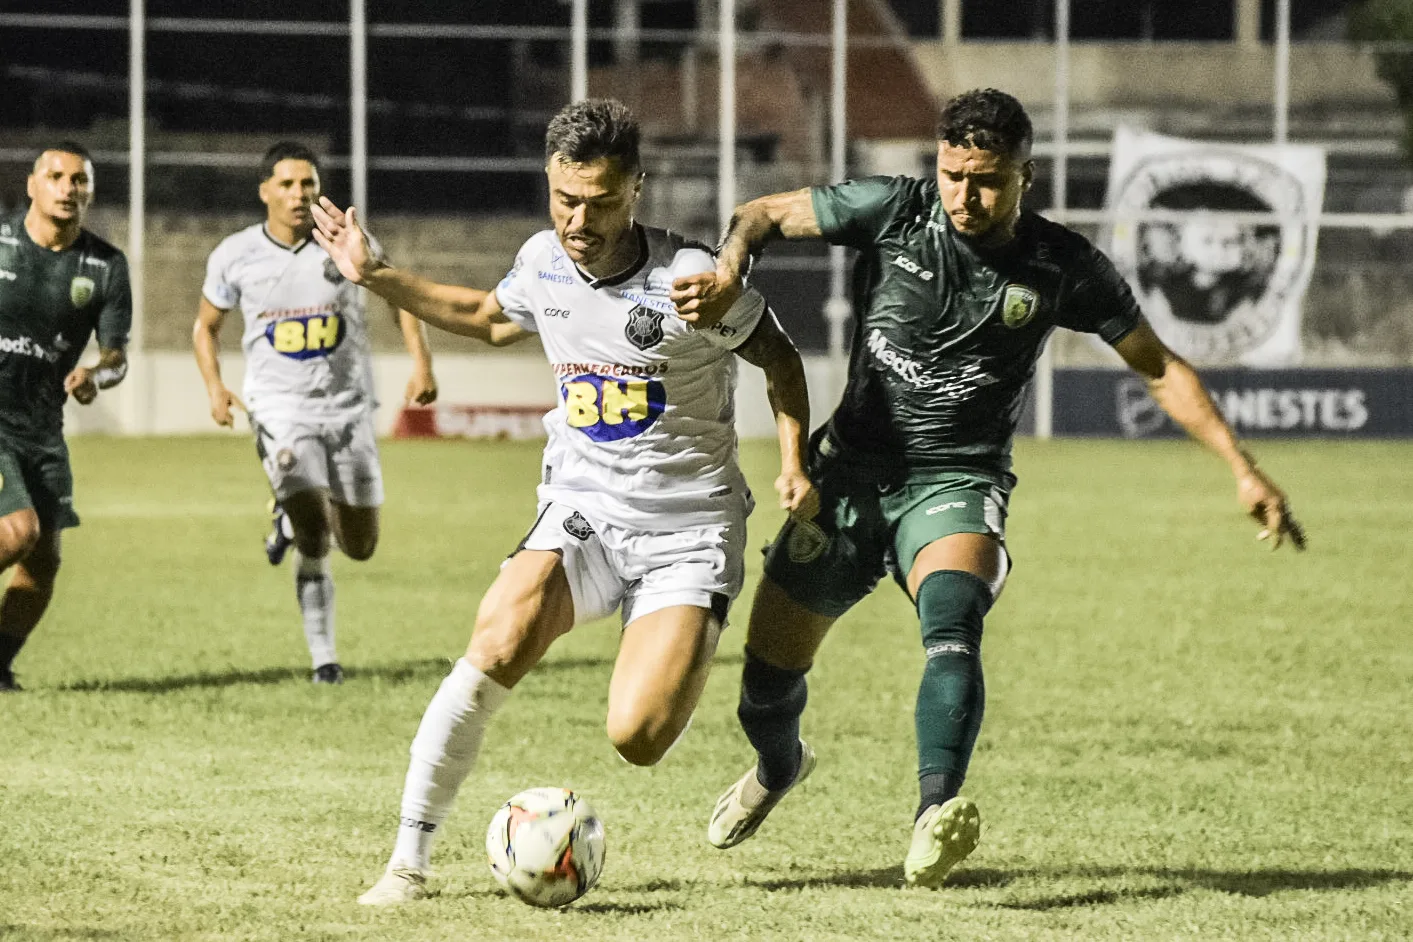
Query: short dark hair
<point x="988" y="119"/>
<point x="64" y="147"/>
<point x="593" y="128"/>
<point x="285" y="150"/>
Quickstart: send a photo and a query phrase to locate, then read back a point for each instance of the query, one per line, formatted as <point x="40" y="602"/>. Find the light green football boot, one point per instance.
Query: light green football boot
<point x="942" y="838"/>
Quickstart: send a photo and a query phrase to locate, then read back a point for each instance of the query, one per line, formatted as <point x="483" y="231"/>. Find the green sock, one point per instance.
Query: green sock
<point x="952" y="697"/>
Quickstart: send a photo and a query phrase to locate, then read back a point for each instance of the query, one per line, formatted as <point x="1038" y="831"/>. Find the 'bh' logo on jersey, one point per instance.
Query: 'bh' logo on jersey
<point x="644" y="327"/>
<point x="1018" y="306"/>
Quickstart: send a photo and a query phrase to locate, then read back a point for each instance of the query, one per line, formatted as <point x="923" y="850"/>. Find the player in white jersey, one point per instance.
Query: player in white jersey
<point x="308" y="386"/>
<point x="641" y="505"/>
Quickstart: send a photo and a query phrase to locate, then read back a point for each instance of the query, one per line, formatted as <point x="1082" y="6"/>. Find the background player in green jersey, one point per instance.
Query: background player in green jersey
<point x="59" y="283"/>
<point x="956" y="291"/>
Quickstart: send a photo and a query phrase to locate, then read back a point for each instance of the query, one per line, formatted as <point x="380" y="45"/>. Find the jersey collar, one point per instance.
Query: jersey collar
<point x="294" y="249"/>
<point x="613" y="281"/>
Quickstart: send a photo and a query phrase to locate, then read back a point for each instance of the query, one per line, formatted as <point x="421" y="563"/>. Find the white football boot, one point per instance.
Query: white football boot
<point x="740" y="811"/>
<point x="396" y="886"/>
<point x="942" y="838"/>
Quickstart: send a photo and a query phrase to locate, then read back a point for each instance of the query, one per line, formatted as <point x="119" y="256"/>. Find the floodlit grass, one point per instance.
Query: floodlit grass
<point x="1187" y="736"/>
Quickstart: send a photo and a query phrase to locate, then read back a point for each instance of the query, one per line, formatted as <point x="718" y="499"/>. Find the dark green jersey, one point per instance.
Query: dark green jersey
<point x="946" y="335"/>
<point x="50" y="304"/>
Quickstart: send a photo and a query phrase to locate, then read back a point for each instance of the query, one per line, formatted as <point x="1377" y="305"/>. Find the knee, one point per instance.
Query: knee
<point x="637" y="742"/>
<point x="360" y="550"/>
<point x="19" y="535"/>
<point x="952" y="607"/>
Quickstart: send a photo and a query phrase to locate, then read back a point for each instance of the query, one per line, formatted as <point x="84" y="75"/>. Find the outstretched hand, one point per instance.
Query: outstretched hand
<point x="702" y="300"/>
<point x="339" y="234"/>
<point x="1267" y="505"/>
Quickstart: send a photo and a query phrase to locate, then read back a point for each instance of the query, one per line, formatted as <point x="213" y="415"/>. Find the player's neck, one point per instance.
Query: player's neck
<point x="287" y="235"/>
<point x="627" y="253"/>
<point x="49" y="233"/>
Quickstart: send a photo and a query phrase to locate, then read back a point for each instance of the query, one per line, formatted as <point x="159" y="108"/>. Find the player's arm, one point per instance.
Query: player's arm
<point x="85" y="381"/>
<point x="422" y="385"/>
<point x="771" y="349"/>
<point x="1175" y="386"/>
<point x="469" y="312"/>
<point x="205" y="340"/>
<point x="703" y="300"/>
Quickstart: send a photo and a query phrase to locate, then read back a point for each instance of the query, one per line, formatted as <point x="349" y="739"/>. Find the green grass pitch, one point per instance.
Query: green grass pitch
<point x="1187" y="737"/>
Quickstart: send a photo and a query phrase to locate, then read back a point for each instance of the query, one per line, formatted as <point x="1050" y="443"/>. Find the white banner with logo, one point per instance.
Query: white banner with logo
<point x="1217" y="241"/>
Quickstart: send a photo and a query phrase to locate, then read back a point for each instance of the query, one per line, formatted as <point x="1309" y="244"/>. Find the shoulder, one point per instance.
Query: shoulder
<point x="1052" y="242"/>
<point x="664" y="245"/>
<point x="239" y="243"/>
<point x="100" y="253"/>
<point x="543" y="244"/>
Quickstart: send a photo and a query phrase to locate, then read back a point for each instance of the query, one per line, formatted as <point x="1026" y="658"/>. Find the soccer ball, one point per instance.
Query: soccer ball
<point x="546" y="846"/>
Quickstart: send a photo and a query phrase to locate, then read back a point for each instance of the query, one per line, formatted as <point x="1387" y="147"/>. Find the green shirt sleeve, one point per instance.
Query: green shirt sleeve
<point x="115" y="317"/>
<point x="1101" y="302"/>
<point x="856" y="212"/>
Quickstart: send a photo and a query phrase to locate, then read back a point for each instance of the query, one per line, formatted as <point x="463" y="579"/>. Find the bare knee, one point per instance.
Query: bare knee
<point x="639" y="742"/>
<point x="19" y="535"/>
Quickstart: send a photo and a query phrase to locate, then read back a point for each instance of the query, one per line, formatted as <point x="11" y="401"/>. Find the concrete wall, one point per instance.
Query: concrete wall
<point x="1169" y="74"/>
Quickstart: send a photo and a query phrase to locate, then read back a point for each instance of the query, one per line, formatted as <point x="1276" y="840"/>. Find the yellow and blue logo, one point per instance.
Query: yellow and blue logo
<point x="610" y="410"/>
<point x="303" y="338"/>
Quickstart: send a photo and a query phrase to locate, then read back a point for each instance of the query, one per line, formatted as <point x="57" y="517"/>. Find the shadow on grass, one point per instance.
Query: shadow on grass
<point x="430" y="668"/>
<point x="622" y="909"/>
<point x="880" y="878"/>
<point x="1253" y="883"/>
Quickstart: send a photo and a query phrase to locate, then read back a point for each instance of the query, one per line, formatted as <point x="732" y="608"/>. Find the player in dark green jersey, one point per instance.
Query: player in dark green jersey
<point x="956" y="290"/>
<point x="59" y="284"/>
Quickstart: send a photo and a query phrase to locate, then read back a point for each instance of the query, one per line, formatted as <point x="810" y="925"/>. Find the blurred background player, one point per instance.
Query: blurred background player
<point x="642" y="506"/>
<point x="308" y="386"/>
<point x="958" y="291"/>
<point x="59" y="285"/>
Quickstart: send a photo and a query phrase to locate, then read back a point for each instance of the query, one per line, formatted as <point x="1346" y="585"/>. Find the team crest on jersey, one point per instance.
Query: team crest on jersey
<point x="576" y="526"/>
<point x="331" y="272"/>
<point x="81" y="290"/>
<point x="1018" y="306"/>
<point x="806" y="541"/>
<point x="644" y="328"/>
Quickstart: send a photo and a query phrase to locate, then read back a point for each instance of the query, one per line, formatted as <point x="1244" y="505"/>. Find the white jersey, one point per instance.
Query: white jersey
<point x="306" y="336"/>
<point x="643" y="435"/>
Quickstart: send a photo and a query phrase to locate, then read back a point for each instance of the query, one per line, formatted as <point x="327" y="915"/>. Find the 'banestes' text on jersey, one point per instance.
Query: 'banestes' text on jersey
<point x="947" y="334"/>
<point x="306" y="337"/>
<point x="643" y="435"/>
<point x="50" y="304"/>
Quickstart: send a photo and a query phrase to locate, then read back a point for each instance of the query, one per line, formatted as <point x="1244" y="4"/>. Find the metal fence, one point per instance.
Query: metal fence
<point x="350" y="76"/>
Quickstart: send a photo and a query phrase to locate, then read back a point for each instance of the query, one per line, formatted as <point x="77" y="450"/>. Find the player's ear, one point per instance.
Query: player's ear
<point x="1027" y="174"/>
<point x="265" y="191"/>
<point x="29" y="186"/>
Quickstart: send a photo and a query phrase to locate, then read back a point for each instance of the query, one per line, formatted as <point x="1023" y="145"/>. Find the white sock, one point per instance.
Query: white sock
<point x="443" y="754"/>
<point x="314" y="586"/>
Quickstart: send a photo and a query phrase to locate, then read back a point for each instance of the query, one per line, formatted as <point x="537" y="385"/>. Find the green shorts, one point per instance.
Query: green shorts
<point x="37" y="476"/>
<point x="865" y="530"/>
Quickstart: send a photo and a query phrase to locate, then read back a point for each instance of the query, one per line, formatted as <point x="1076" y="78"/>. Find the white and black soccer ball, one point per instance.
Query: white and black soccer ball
<point x="546" y="846"/>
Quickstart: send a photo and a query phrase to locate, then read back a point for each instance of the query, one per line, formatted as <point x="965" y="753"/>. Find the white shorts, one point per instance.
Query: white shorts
<point x="643" y="572"/>
<point x="340" y="456"/>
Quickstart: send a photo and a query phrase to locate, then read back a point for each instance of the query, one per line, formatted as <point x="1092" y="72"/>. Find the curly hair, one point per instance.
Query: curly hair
<point x="988" y="119"/>
<point x="593" y="128"/>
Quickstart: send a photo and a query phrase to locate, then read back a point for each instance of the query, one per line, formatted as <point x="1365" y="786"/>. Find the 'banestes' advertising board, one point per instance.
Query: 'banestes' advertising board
<point x="1327" y="403"/>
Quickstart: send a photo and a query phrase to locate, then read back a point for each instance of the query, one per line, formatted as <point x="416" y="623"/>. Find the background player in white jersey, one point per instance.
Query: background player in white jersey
<point x="308" y="386"/>
<point x="642" y="505"/>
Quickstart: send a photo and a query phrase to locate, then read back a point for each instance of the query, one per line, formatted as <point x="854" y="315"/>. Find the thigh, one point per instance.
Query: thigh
<point x="292" y="453"/>
<point x="14" y="492"/>
<point x="663" y="662"/>
<point x="355" y="472"/>
<point x="829" y="564"/>
<point x="527" y="607"/>
<point x="50" y="481"/>
<point x="782" y="631"/>
<point x="698" y="567"/>
<point x="955" y="523"/>
<point x="356" y="529"/>
<point x="595" y="583"/>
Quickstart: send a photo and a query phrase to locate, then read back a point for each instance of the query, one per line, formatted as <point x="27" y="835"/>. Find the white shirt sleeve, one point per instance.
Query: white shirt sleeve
<point x="216" y="289"/>
<point x="740" y="321"/>
<point x="513" y="292"/>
